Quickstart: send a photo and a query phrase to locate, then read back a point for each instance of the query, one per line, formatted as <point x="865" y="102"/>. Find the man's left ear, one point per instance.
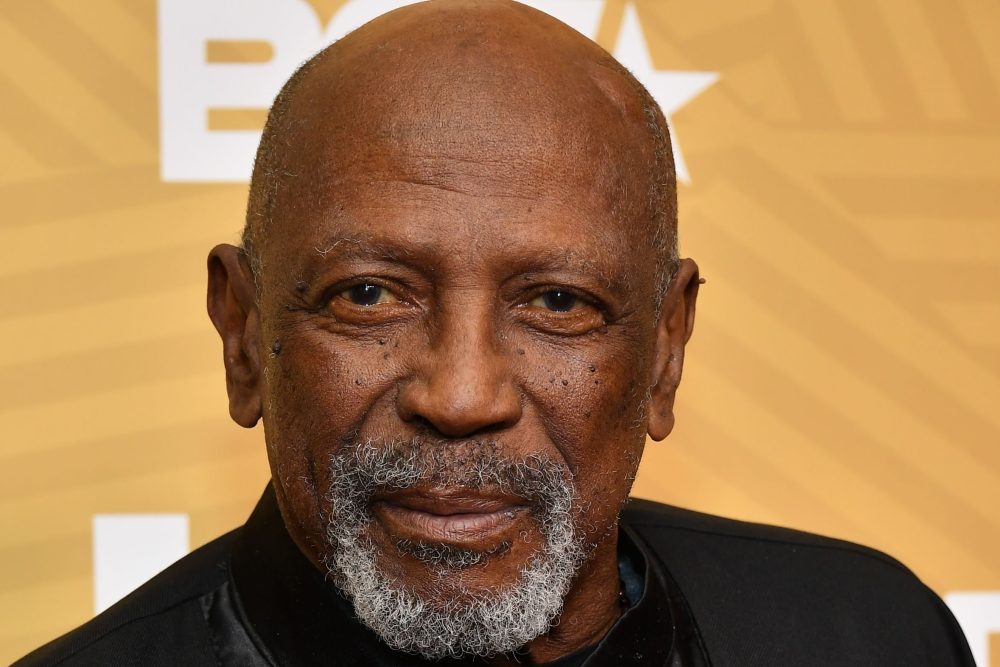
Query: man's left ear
<point x="673" y="330"/>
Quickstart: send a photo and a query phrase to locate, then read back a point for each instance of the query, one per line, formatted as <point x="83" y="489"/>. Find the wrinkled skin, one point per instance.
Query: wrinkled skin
<point x="465" y="158"/>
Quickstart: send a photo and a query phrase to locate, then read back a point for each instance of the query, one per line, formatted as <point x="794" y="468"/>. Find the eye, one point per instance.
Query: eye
<point x="558" y="301"/>
<point x="563" y="311"/>
<point x="367" y="294"/>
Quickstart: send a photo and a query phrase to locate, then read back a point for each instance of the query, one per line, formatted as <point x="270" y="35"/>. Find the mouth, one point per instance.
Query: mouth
<point x="462" y="518"/>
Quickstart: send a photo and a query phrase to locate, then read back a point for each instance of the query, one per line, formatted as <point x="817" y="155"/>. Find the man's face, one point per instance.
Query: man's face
<point x="461" y="300"/>
<point x="469" y="293"/>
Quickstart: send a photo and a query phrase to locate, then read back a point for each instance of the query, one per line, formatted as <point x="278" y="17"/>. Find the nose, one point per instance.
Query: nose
<point x="463" y="385"/>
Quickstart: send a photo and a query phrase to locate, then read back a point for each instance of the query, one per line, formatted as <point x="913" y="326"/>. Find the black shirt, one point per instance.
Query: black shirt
<point x="713" y="592"/>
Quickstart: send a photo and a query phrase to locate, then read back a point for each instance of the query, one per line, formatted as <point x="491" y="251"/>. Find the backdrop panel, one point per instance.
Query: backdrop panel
<point x="842" y="198"/>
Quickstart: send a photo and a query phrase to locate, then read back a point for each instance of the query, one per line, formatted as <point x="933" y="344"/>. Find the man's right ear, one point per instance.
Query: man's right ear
<point x="232" y="306"/>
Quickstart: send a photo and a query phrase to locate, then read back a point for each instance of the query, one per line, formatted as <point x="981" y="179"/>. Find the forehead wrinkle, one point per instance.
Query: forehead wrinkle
<point x="448" y="183"/>
<point x="510" y="166"/>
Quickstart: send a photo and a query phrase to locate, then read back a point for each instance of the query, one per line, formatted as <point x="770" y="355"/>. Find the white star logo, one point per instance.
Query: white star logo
<point x="671" y="89"/>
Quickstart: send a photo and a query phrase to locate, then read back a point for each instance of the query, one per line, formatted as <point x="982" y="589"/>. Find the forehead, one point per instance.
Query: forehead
<point x="455" y="235"/>
<point x="540" y="137"/>
<point x="469" y="126"/>
<point x="447" y="201"/>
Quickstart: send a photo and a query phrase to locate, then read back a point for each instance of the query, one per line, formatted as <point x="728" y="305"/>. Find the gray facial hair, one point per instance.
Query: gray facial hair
<point x="483" y="623"/>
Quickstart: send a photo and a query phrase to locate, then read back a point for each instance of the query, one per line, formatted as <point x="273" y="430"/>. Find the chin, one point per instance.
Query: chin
<point x="437" y="609"/>
<point x="445" y="576"/>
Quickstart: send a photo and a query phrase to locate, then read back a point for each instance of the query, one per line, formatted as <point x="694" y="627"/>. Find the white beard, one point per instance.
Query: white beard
<point x="482" y="623"/>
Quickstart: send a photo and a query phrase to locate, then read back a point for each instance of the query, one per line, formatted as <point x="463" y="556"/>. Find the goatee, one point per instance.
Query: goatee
<point x="468" y="622"/>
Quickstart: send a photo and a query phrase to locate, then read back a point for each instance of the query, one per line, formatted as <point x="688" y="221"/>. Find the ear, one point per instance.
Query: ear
<point x="232" y="306"/>
<point x="673" y="330"/>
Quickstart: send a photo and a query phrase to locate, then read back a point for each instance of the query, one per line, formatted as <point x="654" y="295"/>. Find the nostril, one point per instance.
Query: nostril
<point x="421" y="424"/>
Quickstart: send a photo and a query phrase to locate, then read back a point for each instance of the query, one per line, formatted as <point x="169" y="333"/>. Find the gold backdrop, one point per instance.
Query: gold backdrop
<point x="844" y="377"/>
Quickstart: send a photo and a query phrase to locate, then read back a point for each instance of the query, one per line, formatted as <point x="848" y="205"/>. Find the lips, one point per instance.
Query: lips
<point x="464" y="518"/>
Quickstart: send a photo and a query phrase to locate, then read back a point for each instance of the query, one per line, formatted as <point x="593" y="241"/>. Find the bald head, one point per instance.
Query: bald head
<point x="486" y="97"/>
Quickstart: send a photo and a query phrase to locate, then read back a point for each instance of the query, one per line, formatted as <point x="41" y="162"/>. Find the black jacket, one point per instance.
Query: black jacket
<point x="716" y="592"/>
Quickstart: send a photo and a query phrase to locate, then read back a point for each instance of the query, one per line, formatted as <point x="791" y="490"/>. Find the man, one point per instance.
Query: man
<point x="459" y="311"/>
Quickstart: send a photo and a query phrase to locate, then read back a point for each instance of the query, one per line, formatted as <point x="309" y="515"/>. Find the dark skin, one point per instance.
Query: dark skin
<point x="460" y="253"/>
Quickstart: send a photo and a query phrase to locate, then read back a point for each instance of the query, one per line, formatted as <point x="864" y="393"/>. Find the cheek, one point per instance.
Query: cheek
<point x="590" y="400"/>
<point x="317" y="394"/>
<point x="323" y="385"/>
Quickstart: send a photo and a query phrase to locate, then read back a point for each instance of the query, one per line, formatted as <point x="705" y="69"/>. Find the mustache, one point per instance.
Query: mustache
<point x="364" y="468"/>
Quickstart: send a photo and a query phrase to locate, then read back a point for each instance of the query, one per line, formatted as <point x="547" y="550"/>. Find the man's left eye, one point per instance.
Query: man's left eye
<point x="559" y="301"/>
<point x="368" y="294"/>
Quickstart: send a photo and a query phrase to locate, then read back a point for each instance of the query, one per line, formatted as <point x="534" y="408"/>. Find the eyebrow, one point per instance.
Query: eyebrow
<point x="581" y="262"/>
<point x="361" y="245"/>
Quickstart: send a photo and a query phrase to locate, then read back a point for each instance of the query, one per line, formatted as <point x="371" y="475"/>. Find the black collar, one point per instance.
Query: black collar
<point x="296" y="617"/>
